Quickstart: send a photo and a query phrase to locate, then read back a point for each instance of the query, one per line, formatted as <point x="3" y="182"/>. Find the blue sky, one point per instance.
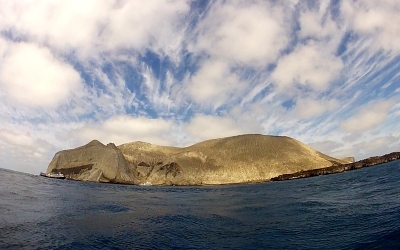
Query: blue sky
<point x="179" y="72"/>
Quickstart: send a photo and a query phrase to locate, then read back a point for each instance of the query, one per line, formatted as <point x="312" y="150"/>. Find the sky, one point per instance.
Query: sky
<point x="177" y="72"/>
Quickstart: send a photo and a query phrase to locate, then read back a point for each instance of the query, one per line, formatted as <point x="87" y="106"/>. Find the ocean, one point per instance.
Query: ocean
<point x="352" y="210"/>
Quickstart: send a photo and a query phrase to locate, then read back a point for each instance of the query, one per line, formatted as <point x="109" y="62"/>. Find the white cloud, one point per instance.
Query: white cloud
<point x="16" y="139"/>
<point x="376" y="19"/>
<point x="373" y="146"/>
<point x="214" y="83"/>
<point x="327" y="147"/>
<point x="123" y="129"/>
<point x="93" y="26"/>
<point x="35" y="145"/>
<point x="248" y="119"/>
<point x="33" y="76"/>
<point x="317" y="25"/>
<point x="249" y="33"/>
<point x="204" y="127"/>
<point x="352" y="137"/>
<point x="23" y="152"/>
<point x="309" y="65"/>
<point x="307" y="108"/>
<point x="3" y="47"/>
<point x="138" y="24"/>
<point x="64" y="25"/>
<point x="22" y="159"/>
<point x="369" y="116"/>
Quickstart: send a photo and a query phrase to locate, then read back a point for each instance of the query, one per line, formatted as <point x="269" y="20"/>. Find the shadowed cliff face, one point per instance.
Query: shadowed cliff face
<point x="239" y="159"/>
<point x="92" y="162"/>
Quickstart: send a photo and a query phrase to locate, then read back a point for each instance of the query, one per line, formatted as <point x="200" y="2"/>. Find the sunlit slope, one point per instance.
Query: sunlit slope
<point x="238" y="159"/>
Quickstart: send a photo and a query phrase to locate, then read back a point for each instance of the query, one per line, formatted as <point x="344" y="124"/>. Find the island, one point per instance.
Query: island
<point x="246" y="158"/>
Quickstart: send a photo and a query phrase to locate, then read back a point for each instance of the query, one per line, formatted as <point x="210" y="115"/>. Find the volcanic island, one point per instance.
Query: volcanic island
<point x="239" y="159"/>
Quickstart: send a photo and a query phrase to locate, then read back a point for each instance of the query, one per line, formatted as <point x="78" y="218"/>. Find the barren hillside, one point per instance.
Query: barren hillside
<point x="244" y="158"/>
<point x="238" y="159"/>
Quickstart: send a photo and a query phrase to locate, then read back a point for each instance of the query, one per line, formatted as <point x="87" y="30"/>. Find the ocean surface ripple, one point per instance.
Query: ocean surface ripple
<point x="353" y="210"/>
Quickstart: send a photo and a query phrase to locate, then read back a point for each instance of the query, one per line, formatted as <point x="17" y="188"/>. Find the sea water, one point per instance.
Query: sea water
<point x="353" y="210"/>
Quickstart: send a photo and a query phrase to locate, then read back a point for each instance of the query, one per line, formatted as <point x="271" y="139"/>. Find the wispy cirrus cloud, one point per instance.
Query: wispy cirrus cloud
<point x="376" y="20"/>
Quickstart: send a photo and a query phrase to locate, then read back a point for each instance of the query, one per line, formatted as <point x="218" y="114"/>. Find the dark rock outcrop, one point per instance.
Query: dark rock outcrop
<point x="338" y="168"/>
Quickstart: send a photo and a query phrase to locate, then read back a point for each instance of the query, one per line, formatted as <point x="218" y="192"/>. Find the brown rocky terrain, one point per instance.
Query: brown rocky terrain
<point x="238" y="159"/>
<point x="348" y="159"/>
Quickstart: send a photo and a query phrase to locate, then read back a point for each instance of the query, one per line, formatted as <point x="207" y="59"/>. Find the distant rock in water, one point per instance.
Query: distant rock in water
<point x="238" y="159"/>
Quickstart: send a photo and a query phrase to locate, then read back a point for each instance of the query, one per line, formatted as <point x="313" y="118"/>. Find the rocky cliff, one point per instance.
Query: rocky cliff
<point x="238" y="159"/>
<point x="92" y="162"/>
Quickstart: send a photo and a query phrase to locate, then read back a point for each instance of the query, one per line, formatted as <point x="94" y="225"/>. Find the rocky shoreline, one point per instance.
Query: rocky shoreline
<point x="338" y="168"/>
